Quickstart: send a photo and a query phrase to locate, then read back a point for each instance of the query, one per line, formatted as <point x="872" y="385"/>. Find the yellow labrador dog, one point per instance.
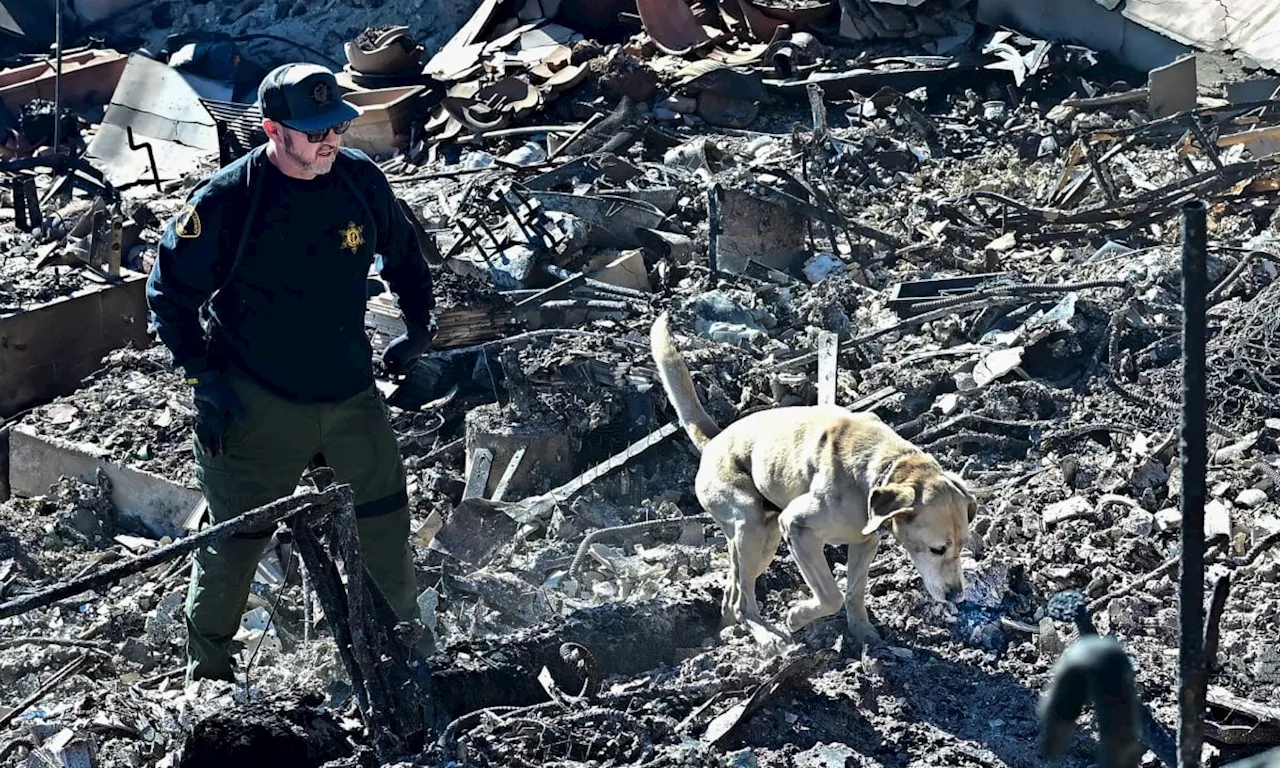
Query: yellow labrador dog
<point x="817" y="475"/>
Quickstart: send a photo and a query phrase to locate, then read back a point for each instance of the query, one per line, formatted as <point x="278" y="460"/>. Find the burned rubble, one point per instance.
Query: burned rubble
<point x="972" y="232"/>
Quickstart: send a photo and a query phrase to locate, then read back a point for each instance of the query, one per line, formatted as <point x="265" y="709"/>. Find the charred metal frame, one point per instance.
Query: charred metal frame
<point x="1090" y="669"/>
<point x="1200" y="129"/>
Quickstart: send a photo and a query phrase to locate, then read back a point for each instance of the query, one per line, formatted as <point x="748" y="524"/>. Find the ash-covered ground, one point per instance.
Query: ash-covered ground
<point x="1053" y="390"/>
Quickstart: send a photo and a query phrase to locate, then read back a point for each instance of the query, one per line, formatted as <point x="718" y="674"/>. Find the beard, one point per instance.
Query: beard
<point x="319" y="165"/>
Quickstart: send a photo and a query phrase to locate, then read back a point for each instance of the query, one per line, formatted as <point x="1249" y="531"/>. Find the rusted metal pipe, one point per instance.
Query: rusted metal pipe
<point x="1191" y="665"/>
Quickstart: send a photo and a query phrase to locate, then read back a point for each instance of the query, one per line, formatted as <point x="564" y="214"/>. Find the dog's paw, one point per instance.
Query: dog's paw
<point x="798" y="617"/>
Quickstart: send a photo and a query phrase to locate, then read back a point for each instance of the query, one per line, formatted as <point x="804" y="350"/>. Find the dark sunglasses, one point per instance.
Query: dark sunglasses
<point x="315" y="137"/>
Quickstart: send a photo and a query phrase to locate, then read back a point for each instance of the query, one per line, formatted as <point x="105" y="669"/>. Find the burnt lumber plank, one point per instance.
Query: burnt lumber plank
<point x="455" y="326"/>
<point x="828" y="354"/>
<point x="1238" y="721"/>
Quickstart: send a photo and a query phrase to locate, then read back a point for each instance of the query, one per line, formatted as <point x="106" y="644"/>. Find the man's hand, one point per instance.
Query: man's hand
<point x="216" y="406"/>
<point x="405" y="348"/>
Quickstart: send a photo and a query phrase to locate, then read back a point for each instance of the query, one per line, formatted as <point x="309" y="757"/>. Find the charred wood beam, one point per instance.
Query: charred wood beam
<point x="808" y="358"/>
<point x="587" y="125"/>
<point x="1182" y="120"/>
<point x="828" y="216"/>
<point x="1136" y="210"/>
<point x="392" y="683"/>
<point x="540" y="507"/>
<point x="65" y="164"/>
<point x="564" y="275"/>
<point x="1131" y="96"/>
<point x="1104" y="181"/>
<point x="819" y="108"/>
<point x="50" y="682"/>
<point x="616" y="128"/>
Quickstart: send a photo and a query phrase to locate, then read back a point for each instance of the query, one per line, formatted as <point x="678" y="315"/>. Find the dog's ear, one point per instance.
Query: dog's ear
<point x="960" y="485"/>
<point x="886" y="503"/>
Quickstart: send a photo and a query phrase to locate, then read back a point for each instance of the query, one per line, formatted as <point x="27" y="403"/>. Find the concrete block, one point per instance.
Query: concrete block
<point x="626" y="270"/>
<point x="36" y="463"/>
<point x="88" y="79"/>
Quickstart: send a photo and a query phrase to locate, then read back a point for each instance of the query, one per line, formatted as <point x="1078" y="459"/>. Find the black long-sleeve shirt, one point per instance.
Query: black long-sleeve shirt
<point x="291" y="315"/>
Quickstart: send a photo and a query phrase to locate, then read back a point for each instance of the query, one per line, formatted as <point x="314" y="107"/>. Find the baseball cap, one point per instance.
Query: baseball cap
<point x="304" y="97"/>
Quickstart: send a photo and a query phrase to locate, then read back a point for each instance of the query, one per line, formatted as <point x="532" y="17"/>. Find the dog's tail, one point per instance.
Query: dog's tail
<point x="679" y="384"/>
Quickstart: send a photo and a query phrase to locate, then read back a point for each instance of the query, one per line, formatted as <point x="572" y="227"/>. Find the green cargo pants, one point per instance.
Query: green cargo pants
<point x="266" y="455"/>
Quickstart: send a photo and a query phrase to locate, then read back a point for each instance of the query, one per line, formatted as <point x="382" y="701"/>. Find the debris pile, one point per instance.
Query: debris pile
<point x="137" y="408"/>
<point x="970" y="232"/>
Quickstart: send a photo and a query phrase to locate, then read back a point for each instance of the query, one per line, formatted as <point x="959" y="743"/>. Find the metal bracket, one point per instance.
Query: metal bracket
<point x="151" y="155"/>
<point x="26" y="203"/>
<point x="478" y="477"/>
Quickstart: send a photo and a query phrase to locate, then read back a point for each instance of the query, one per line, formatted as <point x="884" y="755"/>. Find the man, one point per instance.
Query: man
<point x="259" y="291"/>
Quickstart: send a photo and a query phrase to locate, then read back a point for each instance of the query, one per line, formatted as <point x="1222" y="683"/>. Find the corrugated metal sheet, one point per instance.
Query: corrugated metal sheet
<point x="1147" y="34"/>
<point x="243" y="121"/>
<point x="1251" y="27"/>
<point x="1085" y="22"/>
<point x="162" y="106"/>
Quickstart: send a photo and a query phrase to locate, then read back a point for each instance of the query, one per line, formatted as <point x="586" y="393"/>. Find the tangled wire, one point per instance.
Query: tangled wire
<point x="568" y="730"/>
<point x="1243" y="362"/>
<point x="538" y="737"/>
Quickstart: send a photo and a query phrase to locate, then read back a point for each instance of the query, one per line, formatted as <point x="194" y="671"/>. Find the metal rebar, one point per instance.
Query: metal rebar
<point x="1213" y="622"/>
<point x="714" y="228"/>
<point x="151" y="155"/>
<point x="57" y="76"/>
<point x="1191" y="666"/>
<point x="995" y="288"/>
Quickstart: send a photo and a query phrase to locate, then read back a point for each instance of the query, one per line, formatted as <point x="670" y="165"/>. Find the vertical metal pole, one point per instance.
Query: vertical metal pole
<point x="715" y="228"/>
<point x="57" y="75"/>
<point x="1191" y="666"/>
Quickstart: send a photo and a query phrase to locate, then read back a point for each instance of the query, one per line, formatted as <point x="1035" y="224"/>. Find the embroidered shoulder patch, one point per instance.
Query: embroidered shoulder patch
<point x="187" y="223"/>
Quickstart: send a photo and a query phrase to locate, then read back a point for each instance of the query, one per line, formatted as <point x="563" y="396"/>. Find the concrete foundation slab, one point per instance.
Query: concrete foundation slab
<point x="36" y="463"/>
